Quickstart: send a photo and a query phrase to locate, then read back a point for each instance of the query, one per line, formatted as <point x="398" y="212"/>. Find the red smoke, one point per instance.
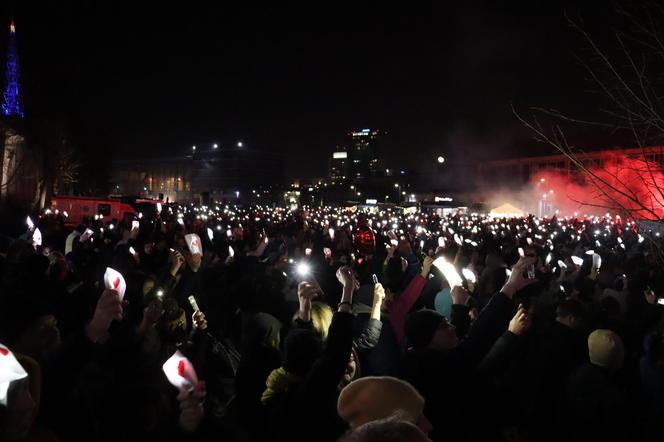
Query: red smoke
<point x="630" y="186"/>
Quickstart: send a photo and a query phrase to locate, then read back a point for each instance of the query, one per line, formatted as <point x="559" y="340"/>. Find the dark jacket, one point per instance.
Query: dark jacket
<point x="445" y="379"/>
<point x="595" y="407"/>
<point x="308" y="410"/>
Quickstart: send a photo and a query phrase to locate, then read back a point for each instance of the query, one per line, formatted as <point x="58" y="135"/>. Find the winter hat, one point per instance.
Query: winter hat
<point x="301" y="349"/>
<point x="443" y="302"/>
<point x="372" y="398"/>
<point x="421" y="326"/>
<point x="605" y="348"/>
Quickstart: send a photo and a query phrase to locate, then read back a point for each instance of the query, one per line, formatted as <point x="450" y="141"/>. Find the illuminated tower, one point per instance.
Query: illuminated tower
<point x="362" y="155"/>
<point x="11" y="99"/>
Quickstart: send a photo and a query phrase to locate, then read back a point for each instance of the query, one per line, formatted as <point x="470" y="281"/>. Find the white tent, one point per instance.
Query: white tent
<point x="506" y="211"/>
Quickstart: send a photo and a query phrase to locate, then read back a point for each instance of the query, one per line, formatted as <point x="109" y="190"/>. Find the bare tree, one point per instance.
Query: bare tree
<point x="626" y="77"/>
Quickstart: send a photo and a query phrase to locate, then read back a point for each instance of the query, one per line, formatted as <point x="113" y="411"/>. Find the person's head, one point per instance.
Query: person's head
<point x="391" y="429"/>
<point x="58" y="269"/>
<point x="321" y="318"/>
<point x="261" y="330"/>
<point x="430" y="329"/>
<point x="395" y="274"/>
<point x="173" y="323"/>
<point x="570" y="313"/>
<point x="301" y="349"/>
<point x="606" y="349"/>
<point x="352" y="369"/>
<point x="28" y="324"/>
<point x="372" y="398"/>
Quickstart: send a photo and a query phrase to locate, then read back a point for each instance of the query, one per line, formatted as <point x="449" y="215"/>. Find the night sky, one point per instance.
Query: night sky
<point x="140" y="81"/>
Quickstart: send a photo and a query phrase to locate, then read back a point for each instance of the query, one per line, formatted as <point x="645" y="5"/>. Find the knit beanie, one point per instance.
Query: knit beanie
<point x="421" y="326"/>
<point x="372" y="398"/>
<point x="605" y="348"/>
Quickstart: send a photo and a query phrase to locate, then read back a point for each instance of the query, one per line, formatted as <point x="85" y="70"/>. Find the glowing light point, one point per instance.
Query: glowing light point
<point x="441" y="160"/>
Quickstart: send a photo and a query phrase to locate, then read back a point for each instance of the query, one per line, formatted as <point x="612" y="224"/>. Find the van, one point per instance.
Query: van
<point x="78" y="208"/>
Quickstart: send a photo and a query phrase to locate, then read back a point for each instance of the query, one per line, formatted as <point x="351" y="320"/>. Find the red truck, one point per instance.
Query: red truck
<point x="78" y="208"/>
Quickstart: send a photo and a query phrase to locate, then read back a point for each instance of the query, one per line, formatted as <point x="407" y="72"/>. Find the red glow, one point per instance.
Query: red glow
<point x="622" y="185"/>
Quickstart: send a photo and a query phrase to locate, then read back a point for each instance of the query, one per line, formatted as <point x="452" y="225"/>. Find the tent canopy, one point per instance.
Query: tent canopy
<point x="506" y="211"/>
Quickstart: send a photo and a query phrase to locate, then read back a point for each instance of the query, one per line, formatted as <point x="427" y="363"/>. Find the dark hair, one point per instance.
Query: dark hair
<point x="570" y="307"/>
<point x="301" y="349"/>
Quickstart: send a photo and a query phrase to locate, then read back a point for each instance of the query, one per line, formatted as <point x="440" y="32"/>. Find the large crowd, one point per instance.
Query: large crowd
<point x="224" y="323"/>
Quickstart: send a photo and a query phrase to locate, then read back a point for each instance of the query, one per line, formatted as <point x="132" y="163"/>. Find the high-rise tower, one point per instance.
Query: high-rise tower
<point x="11" y="98"/>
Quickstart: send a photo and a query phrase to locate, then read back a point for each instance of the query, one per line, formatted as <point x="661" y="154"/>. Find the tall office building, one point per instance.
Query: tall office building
<point x="339" y="171"/>
<point x="363" y="154"/>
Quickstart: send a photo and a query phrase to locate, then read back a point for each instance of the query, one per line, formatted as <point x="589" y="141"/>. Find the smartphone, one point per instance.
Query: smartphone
<point x="160" y="295"/>
<point x="660" y="301"/>
<point x="193" y="303"/>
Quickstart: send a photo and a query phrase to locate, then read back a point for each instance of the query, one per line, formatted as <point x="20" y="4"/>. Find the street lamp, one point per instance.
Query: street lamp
<point x="193" y="148"/>
<point x="239" y="144"/>
<point x="215" y="145"/>
<point x="441" y="160"/>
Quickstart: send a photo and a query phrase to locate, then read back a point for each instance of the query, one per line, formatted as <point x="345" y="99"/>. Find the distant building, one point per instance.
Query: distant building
<point x="363" y="154"/>
<point x="339" y="165"/>
<point x="216" y="173"/>
<point x="357" y="160"/>
<point x="521" y="170"/>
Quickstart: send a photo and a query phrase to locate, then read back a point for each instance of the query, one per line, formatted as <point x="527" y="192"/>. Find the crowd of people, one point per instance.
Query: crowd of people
<point x="325" y="324"/>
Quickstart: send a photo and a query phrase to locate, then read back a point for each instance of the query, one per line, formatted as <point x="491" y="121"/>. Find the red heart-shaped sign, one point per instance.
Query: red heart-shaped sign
<point x="116" y="283"/>
<point x="4" y="351"/>
<point x="181" y="368"/>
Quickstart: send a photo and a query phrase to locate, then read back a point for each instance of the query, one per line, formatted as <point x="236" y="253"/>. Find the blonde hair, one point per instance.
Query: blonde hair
<point x="321" y="318"/>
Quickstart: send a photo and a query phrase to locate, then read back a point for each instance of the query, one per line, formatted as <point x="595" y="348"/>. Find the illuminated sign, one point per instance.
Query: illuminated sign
<point x="370" y="201"/>
<point x="445" y="199"/>
<point x="339" y="155"/>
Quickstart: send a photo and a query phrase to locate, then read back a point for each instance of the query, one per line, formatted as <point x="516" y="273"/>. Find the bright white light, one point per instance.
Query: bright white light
<point x="576" y="260"/>
<point x="441" y="160"/>
<point x="193" y="147"/>
<point x="303" y="269"/>
<point x="239" y="144"/>
<point x="469" y="275"/>
<point x="448" y="270"/>
<point x="215" y="145"/>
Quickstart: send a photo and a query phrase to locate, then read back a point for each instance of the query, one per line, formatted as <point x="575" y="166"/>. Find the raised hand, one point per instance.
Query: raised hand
<point x="519" y="323"/>
<point x="109" y="309"/>
<point x="177" y="261"/>
<point x="192" y="411"/>
<point x="426" y="266"/>
<point x="199" y="321"/>
<point x="459" y="295"/>
<point x="516" y="281"/>
<point x="345" y="277"/>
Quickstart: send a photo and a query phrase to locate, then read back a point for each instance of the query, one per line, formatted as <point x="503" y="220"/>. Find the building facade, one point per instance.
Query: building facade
<point x="357" y="161"/>
<point x="212" y="174"/>
<point x="523" y="170"/>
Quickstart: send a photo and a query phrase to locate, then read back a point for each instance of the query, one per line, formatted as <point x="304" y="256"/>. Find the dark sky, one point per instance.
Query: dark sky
<point x="138" y="80"/>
